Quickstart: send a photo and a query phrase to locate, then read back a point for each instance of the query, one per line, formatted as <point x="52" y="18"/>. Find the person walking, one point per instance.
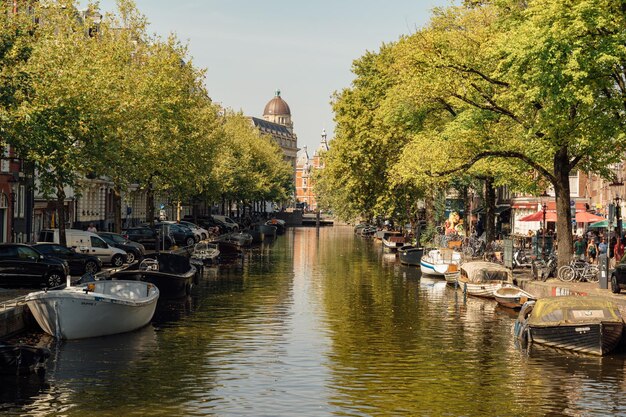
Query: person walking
<point x="618" y="252"/>
<point x="92" y="228"/>
<point x="592" y="251"/>
<point x="602" y="246"/>
<point x="579" y="248"/>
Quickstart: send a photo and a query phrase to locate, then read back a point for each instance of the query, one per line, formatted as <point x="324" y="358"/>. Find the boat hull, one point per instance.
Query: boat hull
<point x="410" y="255"/>
<point x="73" y="313"/>
<point x="596" y="339"/>
<point x="484" y="290"/>
<point x="512" y="297"/>
<point x="452" y="277"/>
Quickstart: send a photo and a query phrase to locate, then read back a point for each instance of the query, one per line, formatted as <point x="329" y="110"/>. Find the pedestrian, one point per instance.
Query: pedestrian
<point x="618" y="251"/>
<point x="92" y="228"/>
<point x="602" y="246"/>
<point x="592" y="251"/>
<point x="579" y="248"/>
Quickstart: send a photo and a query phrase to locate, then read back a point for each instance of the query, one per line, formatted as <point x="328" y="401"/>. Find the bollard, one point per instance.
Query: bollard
<point x="603" y="265"/>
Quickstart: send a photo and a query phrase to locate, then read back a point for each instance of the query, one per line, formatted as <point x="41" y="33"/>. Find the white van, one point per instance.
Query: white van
<point x="86" y="242"/>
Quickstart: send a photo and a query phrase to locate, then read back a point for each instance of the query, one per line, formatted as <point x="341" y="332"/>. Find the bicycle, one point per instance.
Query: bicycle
<point x="578" y="270"/>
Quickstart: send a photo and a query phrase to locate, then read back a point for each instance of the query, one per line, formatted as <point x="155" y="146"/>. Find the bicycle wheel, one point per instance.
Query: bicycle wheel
<point x="468" y="251"/>
<point x="591" y="273"/>
<point x="566" y="273"/>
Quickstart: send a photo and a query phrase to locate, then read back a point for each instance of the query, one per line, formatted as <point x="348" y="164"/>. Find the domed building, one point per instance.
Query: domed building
<point x="277" y="123"/>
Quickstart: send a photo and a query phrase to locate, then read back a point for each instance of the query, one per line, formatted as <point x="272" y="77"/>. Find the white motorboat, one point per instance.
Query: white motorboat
<point x="437" y="261"/>
<point x="96" y="309"/>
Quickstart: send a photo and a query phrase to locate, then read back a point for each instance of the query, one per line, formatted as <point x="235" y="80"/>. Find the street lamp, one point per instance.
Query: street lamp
<point x="618" y="216"/>
<point x="544" y="208"/>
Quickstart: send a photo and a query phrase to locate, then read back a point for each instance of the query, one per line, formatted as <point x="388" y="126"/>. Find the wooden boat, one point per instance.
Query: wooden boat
<point x="392" y="241"/>
<point x="279" y="224"/>
<point x="512" y="296"/>
<point x="239" y="239"/>
<point x="583" y="324"/>
<point x="205" y="254"/>
<point x="410" y="255"/>
<point x="436" y="261"/>
<point x="99" y="308"/>
<point x="482" y="279"/>
<point x="172" y="274"/>
<point x="452" y="274"/>
<point x="22" y="359"/>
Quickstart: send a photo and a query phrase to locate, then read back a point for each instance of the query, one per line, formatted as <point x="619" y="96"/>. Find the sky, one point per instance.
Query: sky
<point x="251" y="48"/>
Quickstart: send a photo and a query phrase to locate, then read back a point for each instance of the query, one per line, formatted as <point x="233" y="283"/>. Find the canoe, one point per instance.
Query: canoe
<point x="482" y="279"/>
<point x="512" y="297"/>
<point x="96" y="309"/>
<point x="585" y="324"/>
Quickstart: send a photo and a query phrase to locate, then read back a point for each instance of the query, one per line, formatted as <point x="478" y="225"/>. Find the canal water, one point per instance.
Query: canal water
<point x="319" y="323"/>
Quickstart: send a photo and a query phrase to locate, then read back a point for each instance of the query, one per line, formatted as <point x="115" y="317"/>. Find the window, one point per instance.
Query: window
<point x="8" y="252"/>
<point x="25" y="252"/>
<point x="96" y="242"/>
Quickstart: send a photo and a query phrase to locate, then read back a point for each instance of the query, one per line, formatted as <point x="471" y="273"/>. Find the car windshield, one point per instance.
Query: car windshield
<point x="117" y="238"/>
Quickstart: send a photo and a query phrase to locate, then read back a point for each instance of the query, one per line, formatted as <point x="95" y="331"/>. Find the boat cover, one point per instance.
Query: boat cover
<point x="479" y="271"/>
<point x="555" y="311"/>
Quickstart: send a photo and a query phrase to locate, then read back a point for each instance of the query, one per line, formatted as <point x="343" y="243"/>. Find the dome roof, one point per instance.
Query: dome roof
<point x="277" y="106"/>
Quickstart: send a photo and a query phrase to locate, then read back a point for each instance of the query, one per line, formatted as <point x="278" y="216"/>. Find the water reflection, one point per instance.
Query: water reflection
<point x="320" y="323"/>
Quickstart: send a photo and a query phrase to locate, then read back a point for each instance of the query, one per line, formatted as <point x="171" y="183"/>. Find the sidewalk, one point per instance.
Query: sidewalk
<point x="554" y="287"/>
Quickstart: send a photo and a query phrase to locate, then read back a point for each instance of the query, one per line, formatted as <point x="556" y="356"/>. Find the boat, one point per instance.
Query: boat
<point x="367" y="231"/>
<point x="392" y="241"/>
<point x="204" y="254"/>
<point x="268" y="232"/>
<point x="481" y="279"/>
<point x="98" y="308"/>
<point x="172" y="274"/>
<point x="436" y="261"/>
<point x="239" y="239"/>
<point x="512" y="296"/>
<point x="22" y="359"/>
<point x="279" y="224"/>
<point x="452" y="274"/>
<point x="410" y="255"/>
<point x="583" y="324"/>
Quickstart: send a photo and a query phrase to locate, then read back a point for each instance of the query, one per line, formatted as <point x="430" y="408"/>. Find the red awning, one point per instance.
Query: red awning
<point x="586" y="217"/>
<point x="538" y="217"/>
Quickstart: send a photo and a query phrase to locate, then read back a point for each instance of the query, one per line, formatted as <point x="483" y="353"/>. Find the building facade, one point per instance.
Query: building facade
<point x="305" y="171"/>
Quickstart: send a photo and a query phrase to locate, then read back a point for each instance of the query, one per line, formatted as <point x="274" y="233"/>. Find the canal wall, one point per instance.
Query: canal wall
<point x="15" y="317"/>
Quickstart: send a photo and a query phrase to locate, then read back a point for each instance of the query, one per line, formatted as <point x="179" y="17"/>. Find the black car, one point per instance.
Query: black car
<point x="134" y="251"/>
<point x="150" y="238"/>
<point x="182" y="234"/>
<point x="22" y="265"/>
<point x="79" y="263"/>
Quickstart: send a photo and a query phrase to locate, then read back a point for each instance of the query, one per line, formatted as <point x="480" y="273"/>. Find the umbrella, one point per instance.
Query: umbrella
<point x="538" y="216"/>
<point x="604" y="224"/>
<point x="586" y="217"/>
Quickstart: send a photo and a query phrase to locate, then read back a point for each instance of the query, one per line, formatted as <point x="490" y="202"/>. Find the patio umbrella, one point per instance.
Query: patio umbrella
<point x="586" y="217"/>
<point x="604" y="224"/>
<point x="538" y="217"/>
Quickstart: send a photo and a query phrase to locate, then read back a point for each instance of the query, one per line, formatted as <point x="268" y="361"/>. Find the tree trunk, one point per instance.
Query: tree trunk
<point x="150" y="205"/>
<point x="117" y="209"/>
<point x="61" y="214"/>
<point x="490" y="205"/>
<point x="563" y="211"/>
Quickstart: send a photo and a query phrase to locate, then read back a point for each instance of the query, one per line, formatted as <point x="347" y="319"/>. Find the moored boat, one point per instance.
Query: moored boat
<point x="482" y="279"/>
<point x="205" y="254"/>
<point x="452" y="274"/>
<point x="410" y="255"/>
<point x="279" y="224"/>
<point x="99" y="308"/>
<point x="583" y="324"/>
<point x="436" y="261"/>
<point x="392" y="241"/>
<point x="172" y="274"/>
<point x="268" y="232"/>
<point x="512" y="296"/>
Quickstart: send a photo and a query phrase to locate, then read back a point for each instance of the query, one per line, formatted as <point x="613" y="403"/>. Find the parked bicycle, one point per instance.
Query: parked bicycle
<point x="544" y="269"/>
<point x="578" y="270"/>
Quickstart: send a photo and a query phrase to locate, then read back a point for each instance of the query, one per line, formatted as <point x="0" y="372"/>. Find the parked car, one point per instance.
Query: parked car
<point x="22" y="265"/>
<point x="618" y="278"/>
<point x="149" y="237"/>
<point x="134" y="251"/>
<point x="230" y="224"/>
<point x="199" y="231"/>
<point x="210" y="224"/>
<point x="182" y="235"/>
<point x="79" y="263"/>
<point x="86" y="242"/>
